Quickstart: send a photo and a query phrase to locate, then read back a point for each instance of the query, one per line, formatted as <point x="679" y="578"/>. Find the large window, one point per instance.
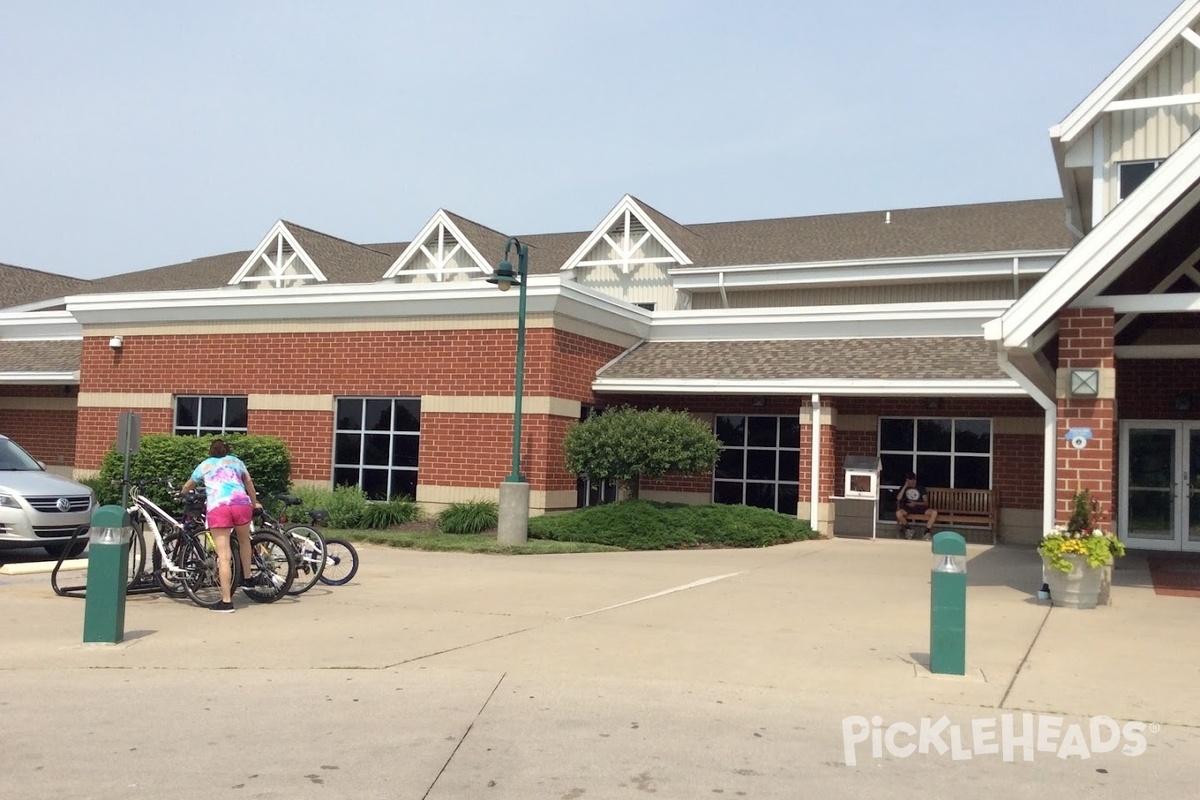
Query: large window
<point x="760" y="462"/>
<point x="376" y="443"/>
<point x="204" y="415"/>
<point x="951" y="452"/>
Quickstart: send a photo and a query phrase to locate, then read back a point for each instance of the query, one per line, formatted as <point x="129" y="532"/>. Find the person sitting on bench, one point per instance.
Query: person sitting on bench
<point x="913" y="498"/>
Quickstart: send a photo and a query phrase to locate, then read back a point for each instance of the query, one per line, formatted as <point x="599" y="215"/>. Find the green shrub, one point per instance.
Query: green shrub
<point x="346" y="505"/>
<point x="646" y="525"/>
<point x="475" y="516"/>
<point x="164" y="455"/>
<point x="378" y="515"/>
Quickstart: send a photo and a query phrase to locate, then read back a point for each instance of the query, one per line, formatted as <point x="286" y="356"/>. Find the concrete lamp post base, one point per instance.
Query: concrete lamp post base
<point x="514" y="513"/>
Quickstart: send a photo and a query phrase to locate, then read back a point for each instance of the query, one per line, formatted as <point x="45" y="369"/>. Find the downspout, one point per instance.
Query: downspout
<point x="815" y="470"/>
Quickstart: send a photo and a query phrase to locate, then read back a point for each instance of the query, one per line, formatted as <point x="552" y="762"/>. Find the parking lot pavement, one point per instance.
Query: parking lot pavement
<point x="681" y="674"/>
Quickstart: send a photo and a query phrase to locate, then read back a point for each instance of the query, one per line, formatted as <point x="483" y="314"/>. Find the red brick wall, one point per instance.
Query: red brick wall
<point x="1146" y="388"/>
<point x="1085" y="341"/>
<point x="47" y="434"/>
<point x="456" y="449"/>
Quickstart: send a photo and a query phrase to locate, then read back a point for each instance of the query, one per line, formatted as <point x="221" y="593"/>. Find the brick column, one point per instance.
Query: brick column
<point x="1085" y="341"/>
<point x="828" y="470"/>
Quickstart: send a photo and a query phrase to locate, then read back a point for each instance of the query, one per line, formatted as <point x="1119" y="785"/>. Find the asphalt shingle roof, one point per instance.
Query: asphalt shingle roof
<point x="916" y="358"/>
<point x="19" y="285"/>
<point x="40" y="356"/>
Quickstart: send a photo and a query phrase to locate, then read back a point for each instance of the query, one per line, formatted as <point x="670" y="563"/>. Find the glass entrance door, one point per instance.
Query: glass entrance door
<point x="1160" y="492"/>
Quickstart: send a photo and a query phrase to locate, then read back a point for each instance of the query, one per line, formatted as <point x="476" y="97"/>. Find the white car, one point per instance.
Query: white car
<point x="38" y="508"/>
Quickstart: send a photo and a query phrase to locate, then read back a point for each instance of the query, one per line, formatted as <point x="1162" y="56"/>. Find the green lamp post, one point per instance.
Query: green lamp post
<point x="514" y="492"/>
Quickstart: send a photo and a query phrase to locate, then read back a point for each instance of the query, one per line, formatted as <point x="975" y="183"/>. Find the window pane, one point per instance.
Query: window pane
<point x="789" y="465"/>
<point x="971" y="472"/>
<point x="895" y="434"/>
<point x="731" y="464"/>
<point x="933" y="470"/>
<point x="934" y="434"/>
<point x="789" y="432"/>
<point x="972" y="436"/>
<point x="374" y="483"/>
<point x="760" y="495"/>
<point x="404" y="450"/>
<point x="789" y="498"/>
<point x="731" y="431"/>
<point x="894" y="467"/>
<point x="349" y="415"/>
<point x="187" y="412"/>
<point x="404" y="483"/>
<point x="212" y="412"/>
<point x="408" y="415"/>
<point x="235" y="413"/>
<point x="379" y="415"/>
<point x="347" y="449"/>
<point x="377" y="447"/>
<point x="727" y="492"/>
<point x="763" y="432"/>
<point x="760" y="465"/>
<point x="344" y="476"/>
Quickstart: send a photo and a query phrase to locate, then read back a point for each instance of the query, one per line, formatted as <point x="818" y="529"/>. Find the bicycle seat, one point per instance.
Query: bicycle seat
<point x="319" y="515"/>
<point x="288" y="500"/>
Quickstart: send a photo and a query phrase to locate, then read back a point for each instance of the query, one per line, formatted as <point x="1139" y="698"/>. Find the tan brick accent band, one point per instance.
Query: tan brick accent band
<point x="290" y="402"/>
<point x="125" y="400"/>
<point x="490" y="404"/>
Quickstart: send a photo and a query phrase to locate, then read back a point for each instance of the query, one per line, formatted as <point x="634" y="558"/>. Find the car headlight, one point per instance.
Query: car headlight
<point x="8" y="501"/>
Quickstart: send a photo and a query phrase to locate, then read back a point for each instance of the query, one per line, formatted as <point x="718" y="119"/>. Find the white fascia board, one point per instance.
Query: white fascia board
<point x="1145" y="303"/>
<point x="1156" y="44"/>
<point x="626" y="203"/>
<point x="881" y="270"/>
<point x="39" y="378"/>
<point x="817" y="385"/>
<point x="828" y="322"/>
<point x="44" y="326"/>
<point x="439" y="218"/>
<point x="544" y="294"/>
<point x="1108" y="248"/>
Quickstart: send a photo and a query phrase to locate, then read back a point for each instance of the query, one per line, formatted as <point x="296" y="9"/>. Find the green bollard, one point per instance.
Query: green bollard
<point x="108" y="568"/>
<point x="948" y="605"/>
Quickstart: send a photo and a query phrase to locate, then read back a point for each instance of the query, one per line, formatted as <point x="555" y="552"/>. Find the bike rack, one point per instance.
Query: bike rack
<point x="142" y="583"/>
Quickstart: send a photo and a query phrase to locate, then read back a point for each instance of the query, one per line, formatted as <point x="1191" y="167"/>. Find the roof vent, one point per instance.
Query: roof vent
<point x="887" y="218"/>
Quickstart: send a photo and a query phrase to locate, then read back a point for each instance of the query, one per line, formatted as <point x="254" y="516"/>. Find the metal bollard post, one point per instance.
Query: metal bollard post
<point x="948" y="605"/>
<point x="108" y="568"/>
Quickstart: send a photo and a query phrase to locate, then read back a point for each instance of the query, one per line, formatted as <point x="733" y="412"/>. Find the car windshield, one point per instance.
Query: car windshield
<point x="13" y="458"/>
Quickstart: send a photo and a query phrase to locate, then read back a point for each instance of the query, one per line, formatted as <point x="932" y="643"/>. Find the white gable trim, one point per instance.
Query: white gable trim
<point x="439" y="223"/>
<point x="1115" y="243"/>
<point x="1101" y="99"/>
<point x="600" y="233"/>
<point x="39" y="378"/>
<point x="270" y="252"/>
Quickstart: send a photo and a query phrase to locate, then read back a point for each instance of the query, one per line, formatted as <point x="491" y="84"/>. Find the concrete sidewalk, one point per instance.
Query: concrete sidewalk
<point x="594" y="675"/>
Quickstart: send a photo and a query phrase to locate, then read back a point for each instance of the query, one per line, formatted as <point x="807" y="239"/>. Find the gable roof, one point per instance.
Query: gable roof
<point x="471" y="237"/>
<point x="656" y="224"/>
<point x="1128" y="71"/>
<point x="1109" y="249"/>
<point x="22" y="286"/>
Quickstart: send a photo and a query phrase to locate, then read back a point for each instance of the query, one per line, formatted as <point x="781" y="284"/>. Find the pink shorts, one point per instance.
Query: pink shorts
<point x="228" y="516"/>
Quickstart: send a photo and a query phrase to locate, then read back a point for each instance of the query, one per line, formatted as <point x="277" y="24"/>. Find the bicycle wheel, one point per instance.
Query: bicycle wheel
<point x="201" y="578"/>
<point x="308" y="546"/>
<point x="137" y="551"/>
<point x="170" y="582"/>
<point x="274" y="568"/>
<point x="341" y="562"/>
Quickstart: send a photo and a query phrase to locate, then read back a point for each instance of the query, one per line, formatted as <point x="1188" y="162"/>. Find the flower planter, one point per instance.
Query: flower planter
<point x="1079" y="588"/>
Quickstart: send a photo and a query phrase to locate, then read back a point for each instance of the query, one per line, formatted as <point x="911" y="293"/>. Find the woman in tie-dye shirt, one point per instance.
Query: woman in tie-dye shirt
<point x="231" y="502"/>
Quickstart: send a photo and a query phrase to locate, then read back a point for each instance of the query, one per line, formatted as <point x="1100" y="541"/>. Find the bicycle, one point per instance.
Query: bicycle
<point x="341" y="559"/>
<point x="306" y="542"/>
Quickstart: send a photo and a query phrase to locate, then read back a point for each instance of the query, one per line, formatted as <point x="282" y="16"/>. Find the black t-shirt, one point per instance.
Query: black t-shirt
<point x="913" y="496"/>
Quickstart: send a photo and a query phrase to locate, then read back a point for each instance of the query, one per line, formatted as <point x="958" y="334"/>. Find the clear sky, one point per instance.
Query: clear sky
<point x="140" y="134"/>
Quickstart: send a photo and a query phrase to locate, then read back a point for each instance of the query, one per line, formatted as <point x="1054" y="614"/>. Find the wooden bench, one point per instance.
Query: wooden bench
<point x="955" y="507"/>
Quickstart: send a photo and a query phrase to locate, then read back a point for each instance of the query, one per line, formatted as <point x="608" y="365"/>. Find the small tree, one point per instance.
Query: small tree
<point x="624" y="445"/>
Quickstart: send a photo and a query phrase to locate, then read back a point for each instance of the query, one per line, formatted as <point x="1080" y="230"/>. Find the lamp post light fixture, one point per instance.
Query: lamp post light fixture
<point x="513" y="523"/>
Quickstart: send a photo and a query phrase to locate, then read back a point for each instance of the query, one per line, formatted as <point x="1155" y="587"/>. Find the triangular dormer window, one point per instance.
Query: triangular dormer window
<point x="279" y="262"/>
<point x="440" y="253"/>
<point x="627" y="239"/>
